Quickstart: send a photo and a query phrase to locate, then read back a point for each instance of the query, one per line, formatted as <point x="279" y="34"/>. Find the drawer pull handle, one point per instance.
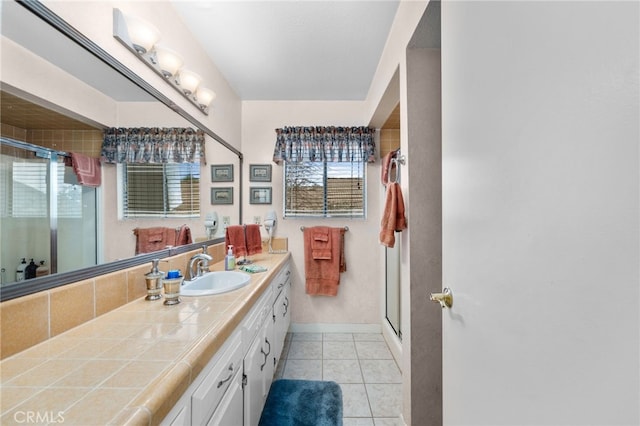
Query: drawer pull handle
<point x="222" y="382"/>
<point x="286" y="306"/>
<point x="266" y="354"/>
<point x="280" y="286"/>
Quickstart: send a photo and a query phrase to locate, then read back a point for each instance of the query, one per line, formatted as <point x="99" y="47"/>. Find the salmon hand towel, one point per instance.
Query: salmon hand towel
<point x="321" y="243"/>
<point x="253" y="238"/>
<point x="322" y="276"/>
<point x="234" y="236"/>
<point x="183" y="236"/>
<point x="393" y="219"/>
<point x="87" y="169"/>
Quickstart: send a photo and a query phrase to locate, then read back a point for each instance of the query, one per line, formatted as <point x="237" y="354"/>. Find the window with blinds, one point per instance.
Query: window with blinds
<point x="161" y="190"/>
<point x="25" y="191"/>
<point x="324" y="189"/>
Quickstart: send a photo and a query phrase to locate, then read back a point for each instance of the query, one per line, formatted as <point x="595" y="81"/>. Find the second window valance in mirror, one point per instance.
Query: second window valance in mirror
<point x="153" y="145"/>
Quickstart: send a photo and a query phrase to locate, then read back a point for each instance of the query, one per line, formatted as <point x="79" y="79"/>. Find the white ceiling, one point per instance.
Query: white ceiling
<point x="295" y="49"/>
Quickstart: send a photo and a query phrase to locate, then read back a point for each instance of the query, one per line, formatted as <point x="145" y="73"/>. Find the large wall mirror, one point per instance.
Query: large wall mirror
<point x="58" y="93"/>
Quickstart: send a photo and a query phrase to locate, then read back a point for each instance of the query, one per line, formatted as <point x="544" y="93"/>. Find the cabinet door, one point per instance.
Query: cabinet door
<point x="258" y="369"/>
<point x="230" y="410"/>
<point x="282" y="320"/>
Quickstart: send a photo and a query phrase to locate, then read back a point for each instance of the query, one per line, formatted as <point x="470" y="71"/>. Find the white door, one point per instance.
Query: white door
<point x="541" y="213"/>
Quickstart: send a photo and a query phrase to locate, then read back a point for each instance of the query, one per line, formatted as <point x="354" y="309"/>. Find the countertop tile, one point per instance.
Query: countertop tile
<point x="132" y="364"/>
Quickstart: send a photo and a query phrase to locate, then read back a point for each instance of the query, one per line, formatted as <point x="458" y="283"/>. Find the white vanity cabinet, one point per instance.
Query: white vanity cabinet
<point x="232" y="389"/>
<point x="264" y="353"/>
<point x="281" y="314"/>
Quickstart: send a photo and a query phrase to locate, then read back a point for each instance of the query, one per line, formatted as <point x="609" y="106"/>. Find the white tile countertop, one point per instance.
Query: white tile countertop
<point x="129" y="366"/>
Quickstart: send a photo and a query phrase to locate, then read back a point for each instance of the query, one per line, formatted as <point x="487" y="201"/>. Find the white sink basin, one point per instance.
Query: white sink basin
<point x="215" y="283"/>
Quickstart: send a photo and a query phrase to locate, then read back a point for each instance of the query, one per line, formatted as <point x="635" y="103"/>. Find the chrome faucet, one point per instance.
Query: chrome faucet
<point x="201" y="262"/>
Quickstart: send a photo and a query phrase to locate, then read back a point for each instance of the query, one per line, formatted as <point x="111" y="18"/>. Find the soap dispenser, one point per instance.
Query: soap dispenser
<point x="20" y="270"/>
<point x="230" y="260"/>
<point x="154" y="281"/>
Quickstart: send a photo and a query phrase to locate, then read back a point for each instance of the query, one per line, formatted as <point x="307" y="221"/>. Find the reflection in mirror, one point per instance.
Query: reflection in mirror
<point x="58" y="98"/>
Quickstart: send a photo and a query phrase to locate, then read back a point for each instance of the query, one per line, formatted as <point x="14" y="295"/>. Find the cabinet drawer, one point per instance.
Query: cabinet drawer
<point x="255" y="318"/>
<point x="207" y="396"/>
<point x="283" y="277"/>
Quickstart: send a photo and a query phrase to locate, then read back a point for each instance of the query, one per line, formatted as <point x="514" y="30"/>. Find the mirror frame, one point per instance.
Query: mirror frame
<point x="18" y="289"/>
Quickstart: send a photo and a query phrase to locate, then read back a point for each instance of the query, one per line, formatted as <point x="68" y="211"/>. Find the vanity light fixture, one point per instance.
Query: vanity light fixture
<point x="141" y="38"/>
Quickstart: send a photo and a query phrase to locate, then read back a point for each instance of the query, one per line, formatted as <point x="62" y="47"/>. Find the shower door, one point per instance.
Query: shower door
<point x="46" y="215"/>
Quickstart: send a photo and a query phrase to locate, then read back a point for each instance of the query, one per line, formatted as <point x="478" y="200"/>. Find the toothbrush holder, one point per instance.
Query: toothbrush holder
<point x="172" y="284"/>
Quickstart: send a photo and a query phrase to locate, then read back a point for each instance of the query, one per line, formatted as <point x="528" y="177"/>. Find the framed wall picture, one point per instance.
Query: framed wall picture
<point x="260" y="172"/>
<point x="260" y="195"/>
<point x="222" y="173"/>
<point x="222" y="195"/>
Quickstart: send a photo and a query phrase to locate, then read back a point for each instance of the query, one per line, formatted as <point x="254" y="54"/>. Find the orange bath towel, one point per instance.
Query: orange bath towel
<point x="393" y="219"/>
<point x="322" y="276"/>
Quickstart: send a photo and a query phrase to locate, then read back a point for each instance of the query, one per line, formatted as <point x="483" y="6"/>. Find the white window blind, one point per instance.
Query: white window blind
<point x="161" y="190"/>
<point x="324" y="189"/>
<point x="25" y="190"/>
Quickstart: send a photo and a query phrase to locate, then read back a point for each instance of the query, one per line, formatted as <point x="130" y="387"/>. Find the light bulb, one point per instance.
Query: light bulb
<point x="204" y="97"/>
<point x="188" y="81"/>
<point x="143" y="35"/>
<point x="169" y="61"/>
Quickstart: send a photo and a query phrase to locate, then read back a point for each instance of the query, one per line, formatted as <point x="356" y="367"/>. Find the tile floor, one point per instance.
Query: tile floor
<point x="360" y="362"/>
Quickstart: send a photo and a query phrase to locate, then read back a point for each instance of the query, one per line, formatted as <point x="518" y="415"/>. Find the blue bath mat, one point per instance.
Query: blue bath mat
<point x="303" y="403"/>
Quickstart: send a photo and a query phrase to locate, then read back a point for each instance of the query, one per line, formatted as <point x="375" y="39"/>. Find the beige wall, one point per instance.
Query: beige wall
<point x="358" y="300"/>
<point x="94" y="20"/>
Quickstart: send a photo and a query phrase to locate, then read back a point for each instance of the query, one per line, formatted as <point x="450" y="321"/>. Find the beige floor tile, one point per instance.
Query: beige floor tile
<point x="373" y="350"/>
<point x="328" y="337"/>
<point x="303" y="369"/>
<point x="341" y="370"/>
<point x="307" y="336"/>
<point x="380" y="371"/>
<point x="339" y="350"/>
<point x="368" y="337"/>
<point x="385" y="399"/>
<point x="357" y="421"/>
<point x="354" y="401"/>
<point x="393" y="421"/>
<point x="305" y="350"/>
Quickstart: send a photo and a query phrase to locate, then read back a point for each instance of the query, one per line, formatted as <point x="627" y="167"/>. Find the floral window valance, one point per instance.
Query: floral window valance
<point x="320" y="144"/>
<point x="153" y="145"/>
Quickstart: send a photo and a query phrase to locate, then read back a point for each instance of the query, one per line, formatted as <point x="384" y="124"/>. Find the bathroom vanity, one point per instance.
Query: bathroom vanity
<point x="207" y="360"/>
<point x="232" y="388"/>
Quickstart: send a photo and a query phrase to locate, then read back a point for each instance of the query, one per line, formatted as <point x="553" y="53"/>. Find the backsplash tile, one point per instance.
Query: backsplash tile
<point x="71" y="305"/>
<point x="32" y="319"/>
<point x="25" y="322"/>
<point x="111" y="292"/>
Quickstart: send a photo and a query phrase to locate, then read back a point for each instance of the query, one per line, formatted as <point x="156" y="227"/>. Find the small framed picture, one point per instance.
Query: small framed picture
<point x="260" y="195"/>
<point x="260" y="172"/>
<point x="222" y="195"/>
<point x="222" y="173"/>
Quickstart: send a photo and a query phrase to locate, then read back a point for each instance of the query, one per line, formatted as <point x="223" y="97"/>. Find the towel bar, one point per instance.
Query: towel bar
<point x="346" y="228"/>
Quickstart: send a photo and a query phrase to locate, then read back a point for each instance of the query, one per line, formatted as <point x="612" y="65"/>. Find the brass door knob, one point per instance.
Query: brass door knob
<point x="445" y="299"/>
